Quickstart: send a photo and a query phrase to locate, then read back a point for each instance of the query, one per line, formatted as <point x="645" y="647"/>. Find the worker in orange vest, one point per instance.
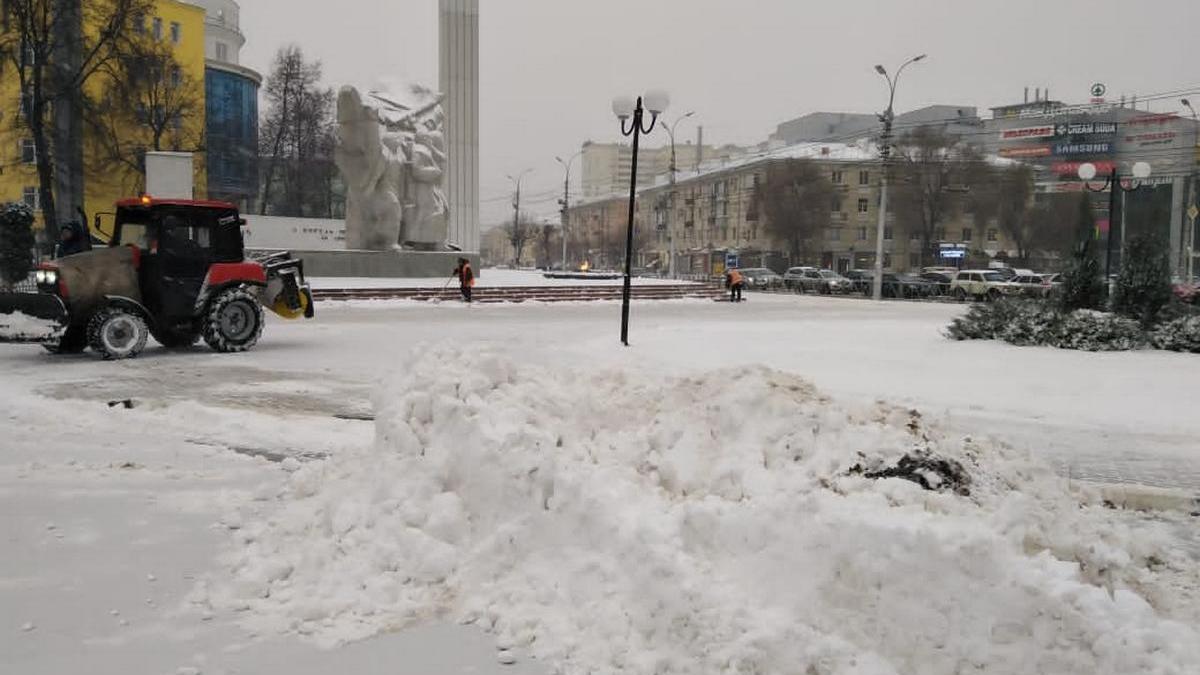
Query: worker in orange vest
<point x="736" y="282"/>
<point x="466" y="278"/>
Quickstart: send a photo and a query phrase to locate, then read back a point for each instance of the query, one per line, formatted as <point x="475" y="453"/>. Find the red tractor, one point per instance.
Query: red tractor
<point x="173" y="269"/>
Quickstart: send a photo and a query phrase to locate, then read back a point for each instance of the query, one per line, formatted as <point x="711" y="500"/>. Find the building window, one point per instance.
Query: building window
<point x="176" y="76"/>
<point x="139" y="24"/>
<point x="836" y="205"/>
<point x="156" y="30"/>
<point x="992" y="235"/>
<point x="864" y="177"/>
<point x="914" y="260"/>
<point x="887" y="260"/>
<point x="862" y="234"/>
<point x="939" y="234"/>
<point x="26" y="105"/>
<point x="176" y="32"/>
<point x="837" y="178"/>
<point x="29" y="195"/>
<point x="28" y="151"/>
<point x="887" y="233"/>
<point x="835" y="234"/>
<point x="222" y="51"/>
<point x="966" y="234"/>
<point x="863" y="205"/>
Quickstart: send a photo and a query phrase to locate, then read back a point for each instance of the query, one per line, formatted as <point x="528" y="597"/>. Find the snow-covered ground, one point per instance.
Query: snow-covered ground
<point x="201" y="530"/>
<point x="489" y="277"/>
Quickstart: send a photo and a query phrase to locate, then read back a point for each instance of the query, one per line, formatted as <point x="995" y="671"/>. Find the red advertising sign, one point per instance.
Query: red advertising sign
<point x="1031" y="151"/>
<point x="1072" y="168"/>
<point x="1155" y="138"/>
<point x="1046" y="131"/>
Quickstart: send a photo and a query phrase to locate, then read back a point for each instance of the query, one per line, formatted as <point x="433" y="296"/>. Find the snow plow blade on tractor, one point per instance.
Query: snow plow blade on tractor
<point x="174" y="270"/>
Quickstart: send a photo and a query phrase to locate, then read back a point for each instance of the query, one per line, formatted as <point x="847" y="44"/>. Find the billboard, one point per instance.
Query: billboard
<point x="1029" y="151"/>
<point x="1045" y="131"/>
<point x="1101" y="148"/>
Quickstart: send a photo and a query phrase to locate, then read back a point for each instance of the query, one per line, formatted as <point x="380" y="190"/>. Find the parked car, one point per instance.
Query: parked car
<point x="856" y="279"/>
<point x="761" y="278"/>
<point x="793" y="277"/>
<point x="1034" y="285"/>
<point x="946" y="271"/>
<point x="981" y="285"/>
<point x="825" y="282"/>
<point x="940" y="281"/>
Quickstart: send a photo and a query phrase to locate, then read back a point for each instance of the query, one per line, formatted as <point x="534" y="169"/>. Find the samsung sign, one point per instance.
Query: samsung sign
<point x="1061" y="149"/>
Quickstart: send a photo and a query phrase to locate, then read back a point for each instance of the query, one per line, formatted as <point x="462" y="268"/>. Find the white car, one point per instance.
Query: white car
<point x="981" y="285"/>
<point x="795" y="276"/>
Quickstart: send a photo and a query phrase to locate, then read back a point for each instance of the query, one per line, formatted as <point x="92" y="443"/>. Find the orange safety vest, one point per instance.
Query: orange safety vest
<point x="735" y="277"/>
<point x="466" y="277"/>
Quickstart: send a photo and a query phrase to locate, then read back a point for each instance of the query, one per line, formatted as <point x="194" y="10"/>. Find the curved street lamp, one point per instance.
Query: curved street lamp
<point x="885" y="152"/>
<point x="1112" y="184"/>
<point x="517" y="205"/>
<point x="670" y="129"/>
<point x="632" y="117"/>
<point x="565" y="201"/>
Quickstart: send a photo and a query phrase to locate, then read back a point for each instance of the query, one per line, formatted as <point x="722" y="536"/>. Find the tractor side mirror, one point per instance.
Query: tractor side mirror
<point x="98" y="226"/>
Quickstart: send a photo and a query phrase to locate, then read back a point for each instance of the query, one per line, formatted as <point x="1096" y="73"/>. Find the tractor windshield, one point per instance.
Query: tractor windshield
<point x="132" y="228"/>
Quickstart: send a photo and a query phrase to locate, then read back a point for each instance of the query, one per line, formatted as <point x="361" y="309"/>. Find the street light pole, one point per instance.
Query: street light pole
<point x="885" y="152"/>
<point x="627" y="110"/>
<point x="1086" y="172"/>
<point x="517" y="216"/>
<point x="565" y="202"/>
<point x="1191" y="256"/>
<point x="670" y="129"/>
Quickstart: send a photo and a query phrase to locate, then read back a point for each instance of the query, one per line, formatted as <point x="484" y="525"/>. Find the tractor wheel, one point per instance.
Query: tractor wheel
<point x="234" y="322"/>
<point x="117" y="333"/>
<point x="176" y="339"/>
<point x="74" y="341"/>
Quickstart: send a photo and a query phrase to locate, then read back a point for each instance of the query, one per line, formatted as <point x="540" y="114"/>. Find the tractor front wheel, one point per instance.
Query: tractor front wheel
<point x="234" y="322"/>
<point x="117" y="333"/>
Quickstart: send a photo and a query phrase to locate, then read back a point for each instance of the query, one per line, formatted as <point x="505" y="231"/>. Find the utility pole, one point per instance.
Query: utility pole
<point x="517" y="234"/>
<point x="565" y="202"/>
<point x="885" y="151"/>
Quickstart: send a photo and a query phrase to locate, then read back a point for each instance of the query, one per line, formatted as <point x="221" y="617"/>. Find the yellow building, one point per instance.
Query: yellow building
<point x="174" y="26"/>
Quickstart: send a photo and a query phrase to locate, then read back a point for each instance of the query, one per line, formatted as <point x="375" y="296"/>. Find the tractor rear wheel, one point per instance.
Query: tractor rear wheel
<point x="117" y="333"/>
<point x="73" y="341"/>
<point x="234" y="321"/>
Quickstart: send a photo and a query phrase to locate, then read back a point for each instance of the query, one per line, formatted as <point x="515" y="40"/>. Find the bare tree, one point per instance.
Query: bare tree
<point x="796" y="200"/>
<point x="297" y="137"/>
<point x="520" y="232"/>
<point x="53" y="57"/>
<point x="148" y="102"/>
<point x="1004" y="195"/>
<point x="932" y="171"/>
<point x="549" y="244"/>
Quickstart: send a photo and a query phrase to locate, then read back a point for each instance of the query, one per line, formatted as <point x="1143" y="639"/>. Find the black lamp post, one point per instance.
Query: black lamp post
<point x="627" y="110"/>
<point x="1087" y="171"/>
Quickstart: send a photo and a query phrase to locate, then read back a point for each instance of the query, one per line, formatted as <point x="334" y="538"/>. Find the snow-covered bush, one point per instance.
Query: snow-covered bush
<point x="16" y="242"/>
<point x="1180" y="335"/>
<point x="1032" y="323"/>
<point x="983" y="321"/>
<point x="1144" y="285"/>
<point x="1093" y="331"/>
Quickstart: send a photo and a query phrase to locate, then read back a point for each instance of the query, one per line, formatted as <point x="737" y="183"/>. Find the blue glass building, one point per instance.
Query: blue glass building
<point x="231" y="99"/>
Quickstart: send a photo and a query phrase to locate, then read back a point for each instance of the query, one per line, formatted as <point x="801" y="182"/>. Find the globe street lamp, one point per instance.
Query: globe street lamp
<point x="885" y="152"/>
<point x="633" y="112"/>
<point x="670" y="129"/>
<point x="1087" y="172"/>
<point x="565" y="202"/>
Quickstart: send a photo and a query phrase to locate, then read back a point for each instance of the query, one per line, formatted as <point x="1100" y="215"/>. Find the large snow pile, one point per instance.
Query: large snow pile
<point x="616" y="522"/>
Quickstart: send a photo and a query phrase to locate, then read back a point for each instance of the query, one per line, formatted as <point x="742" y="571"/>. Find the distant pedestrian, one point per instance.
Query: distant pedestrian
<point x="736" y="282"/>
<point x="466" y="278"/>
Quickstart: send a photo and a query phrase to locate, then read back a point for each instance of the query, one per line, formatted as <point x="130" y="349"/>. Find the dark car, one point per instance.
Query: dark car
<point x="939" y="281"/>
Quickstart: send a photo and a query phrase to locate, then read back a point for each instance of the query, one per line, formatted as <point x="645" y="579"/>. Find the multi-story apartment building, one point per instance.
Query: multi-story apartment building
<point x="708" y="214"/>
<point x="606" y="166"/>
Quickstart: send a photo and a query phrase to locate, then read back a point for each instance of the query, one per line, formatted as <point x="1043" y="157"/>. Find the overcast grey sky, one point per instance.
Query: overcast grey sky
<point x="550" y="68"/>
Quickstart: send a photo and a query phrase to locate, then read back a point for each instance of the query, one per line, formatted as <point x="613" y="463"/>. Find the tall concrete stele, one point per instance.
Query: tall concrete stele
<point x="458" y="74"/>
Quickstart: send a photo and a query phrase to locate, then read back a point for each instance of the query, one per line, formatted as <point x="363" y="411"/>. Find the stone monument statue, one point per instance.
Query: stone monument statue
<point x="391" y="152"/>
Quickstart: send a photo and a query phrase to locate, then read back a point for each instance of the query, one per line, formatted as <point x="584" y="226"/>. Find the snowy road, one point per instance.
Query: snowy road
<point x="154" y="492"/>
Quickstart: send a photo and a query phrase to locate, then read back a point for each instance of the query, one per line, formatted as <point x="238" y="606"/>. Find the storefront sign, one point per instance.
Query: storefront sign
<point x="1147" y="120"/>
<point x="1069" y="110"/>
<point x="1082" y="148"/>
<point x="1031" y="151"/>
<point x="1151" y="139"/>
<point x="1027" y="132"/>
<point x="1072" y="168"/>
<point x="1081" y="128"/>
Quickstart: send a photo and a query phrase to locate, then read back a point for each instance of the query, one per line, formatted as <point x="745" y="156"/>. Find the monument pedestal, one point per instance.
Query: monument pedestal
<point x="384" y="264"/>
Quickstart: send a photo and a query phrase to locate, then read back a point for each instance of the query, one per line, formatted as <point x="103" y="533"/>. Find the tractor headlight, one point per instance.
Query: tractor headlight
<point x="46" y="277"/>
